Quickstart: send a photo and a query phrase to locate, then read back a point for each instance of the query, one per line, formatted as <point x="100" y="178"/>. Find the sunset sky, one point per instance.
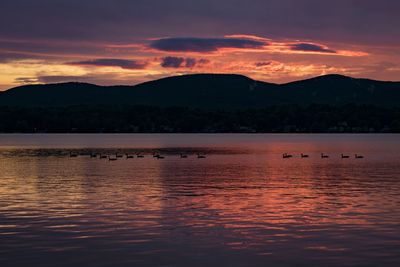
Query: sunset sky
<point x="132" y="41"/>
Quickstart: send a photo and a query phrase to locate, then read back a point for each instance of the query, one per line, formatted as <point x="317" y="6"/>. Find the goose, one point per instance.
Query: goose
<point x="112" y="158"/>
<point x="160" y="157"/>
<point x="73" y="154"/>
<point x="323" y="156"/>
<point x="286" y="156"/>
<point x="358" y="156"/>
<point x="103" y="156"/>
<point x="93" y="155"/>
<point x="344" y="156"/>
<point x="183" y="156"/>
<point x="129" y="156"/>
<point x="140" y="156"/>
<point x="304" y="155"/>
<point x="201" y="156"/>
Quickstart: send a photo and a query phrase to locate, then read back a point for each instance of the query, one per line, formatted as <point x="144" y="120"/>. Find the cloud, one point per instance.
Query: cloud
<point x="25" y="80"/>
<point x="6" y="57"/>
<point x="262" y="64"/>
<point x="51" y="79"/>
<point x="203" y="61"/>
<point x="60" y="78"/>
<point x="204" y="44"/>
<point x="179" y="62"/>
<point x="93" y="78"/>
<point x="308" y="47"/>
<point x="172" y="62"/>
<point x="190" y="62"/>
<point x="110" y="62"/>
<point x="373" y="21"/>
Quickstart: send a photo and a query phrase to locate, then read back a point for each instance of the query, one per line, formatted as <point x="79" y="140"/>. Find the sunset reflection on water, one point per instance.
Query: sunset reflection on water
<point x="241" y="206"/>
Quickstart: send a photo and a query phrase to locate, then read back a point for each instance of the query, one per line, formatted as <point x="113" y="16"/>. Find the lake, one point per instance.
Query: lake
<point x="242" y="205"/>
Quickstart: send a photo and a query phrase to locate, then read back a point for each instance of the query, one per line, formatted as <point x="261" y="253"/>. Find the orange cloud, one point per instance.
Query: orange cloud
<point x="240" y="43"/>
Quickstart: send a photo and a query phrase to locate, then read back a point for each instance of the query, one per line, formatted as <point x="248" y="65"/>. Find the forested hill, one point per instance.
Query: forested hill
<point x="209" y="91"/>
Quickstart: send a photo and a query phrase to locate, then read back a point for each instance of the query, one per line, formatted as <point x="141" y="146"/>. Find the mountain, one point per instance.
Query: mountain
<point x="210" y="91"/>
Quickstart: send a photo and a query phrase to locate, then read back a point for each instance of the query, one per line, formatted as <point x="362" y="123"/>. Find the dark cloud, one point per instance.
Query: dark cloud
<point x="93" y="78"/>
<point x="190" y="62"/>
<point x="357" y="21"/>
<point x="6" y="57"/>
<point x="109" y="62"/>
<point x="60" y="79"/>
<point x="203" y="61"/>
<point x="26" y="80"/>
<point x="180" y="62"/>
<point x="307" y="47"/>
<point x="51" y="79"/>
<point x="47" y="79"/>
<point x="172" y="62"/>
<point x="262" y="64"/>
<point x="203" y="44"/>
<point x="47" y="49"/>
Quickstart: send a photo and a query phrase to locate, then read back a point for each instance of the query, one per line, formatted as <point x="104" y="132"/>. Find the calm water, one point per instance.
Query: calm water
<point x="241" y="206"/>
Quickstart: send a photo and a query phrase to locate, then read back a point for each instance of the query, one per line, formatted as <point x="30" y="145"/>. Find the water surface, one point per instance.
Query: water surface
<point x="244" y="205"/>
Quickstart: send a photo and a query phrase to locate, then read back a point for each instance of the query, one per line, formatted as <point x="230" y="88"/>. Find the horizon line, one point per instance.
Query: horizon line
<point x="198" y="74"/>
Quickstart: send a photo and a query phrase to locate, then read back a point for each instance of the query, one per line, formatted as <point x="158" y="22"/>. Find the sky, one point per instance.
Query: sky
<point x="110" y="42"/>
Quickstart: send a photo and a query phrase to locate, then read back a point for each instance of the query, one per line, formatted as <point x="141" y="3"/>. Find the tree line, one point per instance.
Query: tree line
<point x="145" y="119"/>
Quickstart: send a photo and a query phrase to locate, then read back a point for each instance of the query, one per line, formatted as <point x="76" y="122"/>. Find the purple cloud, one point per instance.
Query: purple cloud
<point x="190" y="62"/>
<point x="6" y="57"/>
<point x="108" y="62"/>
<point x="203" y="44"/>
<point x="262" y="64"/>
<point x="172" y="62"/>
<point x="203" y="61"/>
<point x="373" y="21"/>
<point x="307" y="47"/>
<point x="179" y="62"/>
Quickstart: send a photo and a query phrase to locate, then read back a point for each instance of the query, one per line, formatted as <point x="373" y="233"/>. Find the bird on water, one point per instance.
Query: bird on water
<point x="324" y="156"/>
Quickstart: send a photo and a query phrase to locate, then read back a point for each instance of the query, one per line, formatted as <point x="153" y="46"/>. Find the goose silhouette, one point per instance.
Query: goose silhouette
<point x="201" y="156"/>
<point x="324" y="156"/>
<point x="110" y="158"/>
<point x="286" y="156"/>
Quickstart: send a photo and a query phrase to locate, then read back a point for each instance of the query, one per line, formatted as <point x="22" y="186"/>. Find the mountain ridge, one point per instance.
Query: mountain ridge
<point x="210" y="91"/>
